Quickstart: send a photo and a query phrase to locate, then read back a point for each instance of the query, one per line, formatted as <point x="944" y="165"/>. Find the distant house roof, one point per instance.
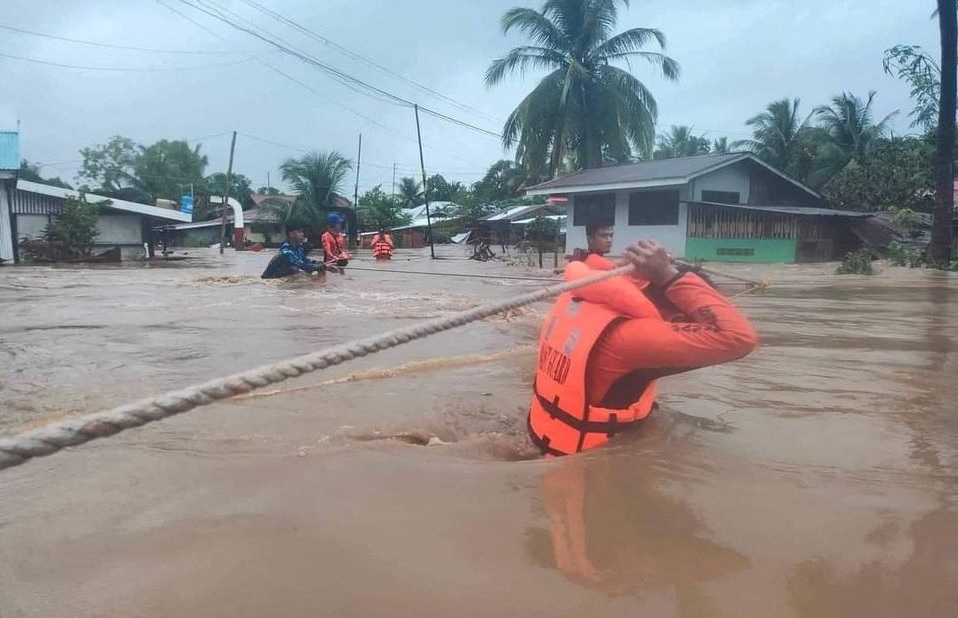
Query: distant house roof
<point x="114" y="204"/>
<point x="659" y="172"/>
<point x="9" y="151"/>
<point x="791" y="210"/>
<point x="418" y="214"/>
<point x="518" y="212"/>
<point x="259" y="198"/>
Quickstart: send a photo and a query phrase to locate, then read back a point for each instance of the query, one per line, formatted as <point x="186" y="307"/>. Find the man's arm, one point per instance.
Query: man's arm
<point x="719" y="333"/>
<point x="296" y="260"/>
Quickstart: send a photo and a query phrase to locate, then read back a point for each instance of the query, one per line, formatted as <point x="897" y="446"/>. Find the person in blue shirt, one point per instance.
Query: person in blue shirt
<point x="292" y="258"/>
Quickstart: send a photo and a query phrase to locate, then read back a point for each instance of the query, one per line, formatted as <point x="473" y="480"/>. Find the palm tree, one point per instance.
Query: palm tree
<point x="721" y="146"/>
<point x="585" y="109"/>
<point x="850" y="124"/>
<point x="777" y="135"/>
<point x="680" y="142"/>
<point x="410" y="192"/>
<point x="317" y="179"/>
<point x="940" y="251"/>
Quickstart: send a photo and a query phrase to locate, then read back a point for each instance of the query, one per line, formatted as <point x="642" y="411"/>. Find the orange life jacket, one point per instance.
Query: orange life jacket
<point x="562" y="418"/>
<point x="382" y="246"/>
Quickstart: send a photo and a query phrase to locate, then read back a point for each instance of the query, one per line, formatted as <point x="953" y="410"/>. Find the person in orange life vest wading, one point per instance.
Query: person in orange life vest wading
<point x="602" y="347"/>
<point x="383" y="245"/>
<point x="599" y="238"/>
<point x="334" y="244"/>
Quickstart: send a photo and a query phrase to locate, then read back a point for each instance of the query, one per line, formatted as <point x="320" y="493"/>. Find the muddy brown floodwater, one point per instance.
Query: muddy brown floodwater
<point x="816" y="478"/>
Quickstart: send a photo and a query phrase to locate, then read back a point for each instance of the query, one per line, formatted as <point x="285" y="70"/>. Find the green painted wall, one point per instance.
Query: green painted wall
<point x="763" y="250"/>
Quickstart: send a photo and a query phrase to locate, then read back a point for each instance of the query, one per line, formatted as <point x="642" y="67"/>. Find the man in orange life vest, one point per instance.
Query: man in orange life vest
<point x="383" y="245"/>
<point x="603" y="347"/>
<point x="334" y="245"/>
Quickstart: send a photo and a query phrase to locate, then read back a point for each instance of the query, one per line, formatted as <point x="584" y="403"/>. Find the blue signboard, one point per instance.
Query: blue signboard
<point x="186" y="204"/>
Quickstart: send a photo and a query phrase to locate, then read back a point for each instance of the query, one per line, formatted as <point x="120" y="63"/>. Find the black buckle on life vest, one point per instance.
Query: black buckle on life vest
<point x="543" y="442"/>
<point x="609" y="427"/>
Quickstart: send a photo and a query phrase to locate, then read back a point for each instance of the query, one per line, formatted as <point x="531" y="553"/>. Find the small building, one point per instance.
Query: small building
<point x="719" y="207"/>
<point x="414" y="235"/>
<point x="27" y="208"/>
<point x="506" y="227"/>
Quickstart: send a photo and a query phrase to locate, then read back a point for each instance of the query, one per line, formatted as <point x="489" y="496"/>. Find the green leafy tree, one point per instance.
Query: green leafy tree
<point x="441" y="190"/>
<point x="721" y="146"/>
<point x="849" y="122"/>
<point x="110" y="166"/>
<point x="163" y="170"/>
<point x="410" y="192"/>
<point x="268" y="191"/>
<point x="897" y="173"/>
<point x="240" y="186"/>
<point x="586" y="109"/>
<point x="377" y="210"/>
<point x="919" y="70"/>
<point x="777" y="135"/>
<point x="75" y="228"/>
<point x="680" y="142"/>
<point x="317" y="179"/>
<point x="503" y="181"/>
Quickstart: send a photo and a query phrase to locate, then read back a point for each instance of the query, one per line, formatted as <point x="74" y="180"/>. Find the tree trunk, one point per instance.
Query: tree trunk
<point x="940" y="250"/>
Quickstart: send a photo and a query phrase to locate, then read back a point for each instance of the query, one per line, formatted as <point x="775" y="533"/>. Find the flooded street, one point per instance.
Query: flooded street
<point x="816" y="478"/>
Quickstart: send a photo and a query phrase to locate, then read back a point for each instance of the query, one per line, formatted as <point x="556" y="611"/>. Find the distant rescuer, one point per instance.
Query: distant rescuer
<point x="603" y="347"/>
<point x="334" y="244"/>
<point x="291" y="258"/>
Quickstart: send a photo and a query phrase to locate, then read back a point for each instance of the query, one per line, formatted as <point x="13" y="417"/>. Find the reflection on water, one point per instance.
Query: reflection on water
<point x="816" y="478"/>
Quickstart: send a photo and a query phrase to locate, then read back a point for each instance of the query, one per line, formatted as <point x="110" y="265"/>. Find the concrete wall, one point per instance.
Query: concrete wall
<point x="31" y="226"/>
<point x="767" y="251"/>
<point x="672" y="237"/>
<point x="119" y="229"/>
<point x="731" y="178"/>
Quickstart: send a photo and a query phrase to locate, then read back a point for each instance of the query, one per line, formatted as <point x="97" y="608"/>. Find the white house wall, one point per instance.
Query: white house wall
<point x="731" y="178"/>
<point x="6" y="225"/>
<point x="672" y="237"/>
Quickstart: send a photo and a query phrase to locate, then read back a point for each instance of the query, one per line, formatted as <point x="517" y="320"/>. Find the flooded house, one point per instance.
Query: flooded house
<point x="27" y="208"/>
<point x="717" y="207"/>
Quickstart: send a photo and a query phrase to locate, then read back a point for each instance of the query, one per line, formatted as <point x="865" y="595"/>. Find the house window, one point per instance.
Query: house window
<point x="722" y="197"/>
<point x="598" y="209"/>
<point x="736" y="251"/>
<point x="654" y="208"/>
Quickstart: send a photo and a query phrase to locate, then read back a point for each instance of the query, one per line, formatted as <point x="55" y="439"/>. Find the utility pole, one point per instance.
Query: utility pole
<point x="226" y="194"/>
<point x="425" y="189"/>
<point x="359" y="160"/>
<point x="268" y="185"/>
<point x="394" y="181"/>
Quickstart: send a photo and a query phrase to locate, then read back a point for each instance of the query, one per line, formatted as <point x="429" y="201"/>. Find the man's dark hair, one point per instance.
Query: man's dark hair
<point x="593" y="227"/>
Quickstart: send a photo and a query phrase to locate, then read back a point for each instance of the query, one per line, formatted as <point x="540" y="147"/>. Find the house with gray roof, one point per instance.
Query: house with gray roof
<point x="26" y="208"/>
<point x="717" y="207"/>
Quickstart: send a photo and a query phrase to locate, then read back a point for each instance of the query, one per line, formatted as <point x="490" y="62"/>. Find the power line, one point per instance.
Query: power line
<point x="322" y="39"/>
<point x="112" y="46"/>
<point x="122" y="69"/>
<point x="341" y="76"/>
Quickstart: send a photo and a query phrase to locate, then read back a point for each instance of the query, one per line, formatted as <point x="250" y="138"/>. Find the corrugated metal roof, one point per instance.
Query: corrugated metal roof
<point x="115" y="204"/>
<point x="9" y="151"/>
<point x="643" y="171"/>
<point x="791" y="210"/>
<point x="518" y="211"/>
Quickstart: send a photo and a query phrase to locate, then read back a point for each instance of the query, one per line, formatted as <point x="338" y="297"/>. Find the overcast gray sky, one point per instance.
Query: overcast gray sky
<point x="736" y="56"/>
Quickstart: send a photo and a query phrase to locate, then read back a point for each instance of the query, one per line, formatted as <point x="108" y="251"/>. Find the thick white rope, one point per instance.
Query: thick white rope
<point x="17" y="449"/>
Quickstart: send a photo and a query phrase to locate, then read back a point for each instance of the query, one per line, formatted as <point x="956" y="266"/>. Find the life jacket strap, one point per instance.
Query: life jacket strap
<point x="610" y="427"/>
